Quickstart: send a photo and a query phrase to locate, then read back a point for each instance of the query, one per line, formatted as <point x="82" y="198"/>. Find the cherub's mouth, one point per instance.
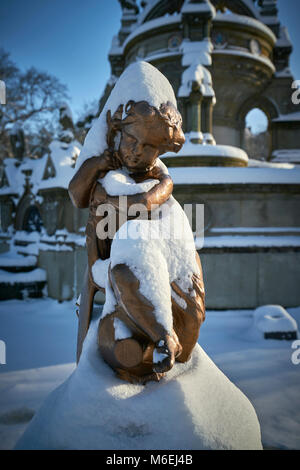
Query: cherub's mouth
<point x="177" y="147"/>
<point x="139" y="170"/>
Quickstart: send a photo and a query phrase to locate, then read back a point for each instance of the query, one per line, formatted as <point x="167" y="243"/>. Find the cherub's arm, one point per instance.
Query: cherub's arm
<point x="159" y="194"/>
<point x="90" y="171"/>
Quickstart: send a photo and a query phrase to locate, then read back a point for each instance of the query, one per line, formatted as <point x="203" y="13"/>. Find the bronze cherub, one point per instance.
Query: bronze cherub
<point x="143" y="135"/>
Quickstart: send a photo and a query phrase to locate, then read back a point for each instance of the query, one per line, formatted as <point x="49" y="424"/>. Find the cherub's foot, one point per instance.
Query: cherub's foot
<point x="165" y="353"/>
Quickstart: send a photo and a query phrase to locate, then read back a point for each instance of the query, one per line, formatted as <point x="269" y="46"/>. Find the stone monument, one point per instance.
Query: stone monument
<point x="145" y="259"/>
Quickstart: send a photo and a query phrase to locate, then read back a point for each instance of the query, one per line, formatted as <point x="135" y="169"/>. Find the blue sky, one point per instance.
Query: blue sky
<point x="68" y="38"/>
<point x="71" y="39"/>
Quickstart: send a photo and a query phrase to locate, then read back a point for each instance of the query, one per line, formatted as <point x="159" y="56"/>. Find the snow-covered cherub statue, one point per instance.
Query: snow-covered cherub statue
<point x="140" y="245"/>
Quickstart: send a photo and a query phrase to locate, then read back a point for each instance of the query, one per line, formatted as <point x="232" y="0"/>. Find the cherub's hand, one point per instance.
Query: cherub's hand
<point x="108" y="161"/>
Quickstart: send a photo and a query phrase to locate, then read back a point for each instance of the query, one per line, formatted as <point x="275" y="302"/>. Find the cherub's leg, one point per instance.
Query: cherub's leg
<point x="189" y="314"/>
<point x="135" y="355"/>
<point x="130" y="357"/>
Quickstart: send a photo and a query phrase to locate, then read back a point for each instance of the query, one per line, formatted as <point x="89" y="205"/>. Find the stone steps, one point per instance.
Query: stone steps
<point x="20" y="277"/>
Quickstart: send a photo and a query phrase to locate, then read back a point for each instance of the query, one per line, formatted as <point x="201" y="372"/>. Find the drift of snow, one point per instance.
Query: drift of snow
<point x="273" y="319"/>
<point x="139" y="82"/>
<point x="262" y="369"/>
<point x="194" y="407"/>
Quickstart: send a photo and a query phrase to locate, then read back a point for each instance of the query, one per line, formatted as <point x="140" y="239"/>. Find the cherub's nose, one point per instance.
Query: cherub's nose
<point x="178" y="139"/>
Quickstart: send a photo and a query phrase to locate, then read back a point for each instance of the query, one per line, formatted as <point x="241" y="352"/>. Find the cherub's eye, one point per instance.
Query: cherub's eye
<point x="149" y="145"/>
<point x="129" y="137"/>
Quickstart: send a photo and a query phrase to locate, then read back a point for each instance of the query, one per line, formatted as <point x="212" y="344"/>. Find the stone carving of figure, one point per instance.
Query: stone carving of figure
<point x="129" y="5"/>
<point x="17" y="141"/>
<point x="154" y="288"/>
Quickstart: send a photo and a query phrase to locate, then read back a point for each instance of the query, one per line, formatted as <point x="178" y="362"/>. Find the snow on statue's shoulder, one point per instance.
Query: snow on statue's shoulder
<point x="194" y="407"/>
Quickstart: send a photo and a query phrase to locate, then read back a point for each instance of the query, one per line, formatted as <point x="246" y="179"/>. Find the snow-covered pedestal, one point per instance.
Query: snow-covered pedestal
<point x="194" y="407"/>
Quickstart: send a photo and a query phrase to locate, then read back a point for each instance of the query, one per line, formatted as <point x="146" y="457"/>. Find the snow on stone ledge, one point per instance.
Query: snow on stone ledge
<point x="221" y="175"/>
<point x="248" y="55"/>
<point x="189" y="149"/>
<point x="243" y="241"/>
<point x="148" y="26"/>
<point x="37" y="275"/>
<point x="246" y="21"/>
<point x="13" y="259"/>
<point x="284" y="73"/>
<point x="285" y="156"/>
<point x="288" y="117"/>
<point x="252" y="163"/>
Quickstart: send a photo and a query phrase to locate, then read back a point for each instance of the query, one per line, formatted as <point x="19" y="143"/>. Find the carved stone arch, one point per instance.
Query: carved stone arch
<point x="260" y="102"/>
<point x="264" y="104"/>
<point x="32" y="221"/>
<point x="25" y="209"/>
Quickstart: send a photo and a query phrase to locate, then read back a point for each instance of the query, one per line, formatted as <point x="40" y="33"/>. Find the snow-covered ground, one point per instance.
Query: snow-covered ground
<point x="40" y="337"/>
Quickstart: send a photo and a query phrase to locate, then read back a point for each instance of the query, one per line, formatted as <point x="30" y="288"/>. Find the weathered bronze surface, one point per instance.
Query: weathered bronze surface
<point x="145" y="134"/>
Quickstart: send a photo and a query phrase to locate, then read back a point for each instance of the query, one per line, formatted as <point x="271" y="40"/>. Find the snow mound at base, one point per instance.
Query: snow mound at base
<point x="274" y="318"/>
<point x="194" y="407"/>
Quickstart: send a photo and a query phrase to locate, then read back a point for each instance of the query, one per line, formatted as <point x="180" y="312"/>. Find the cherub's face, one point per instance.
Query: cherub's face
<point x="138" y="150"/>
<point x="143" y="141"/>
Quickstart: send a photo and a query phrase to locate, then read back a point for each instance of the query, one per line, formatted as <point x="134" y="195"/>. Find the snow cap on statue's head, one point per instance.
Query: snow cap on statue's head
<point x="140" y="81"/>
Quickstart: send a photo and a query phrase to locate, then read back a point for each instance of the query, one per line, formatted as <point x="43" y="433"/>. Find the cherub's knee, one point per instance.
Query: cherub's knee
<point x="121" y="274"/>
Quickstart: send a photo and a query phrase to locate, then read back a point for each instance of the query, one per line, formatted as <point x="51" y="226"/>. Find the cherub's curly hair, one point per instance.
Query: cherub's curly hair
<point x="136" y="111"/>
